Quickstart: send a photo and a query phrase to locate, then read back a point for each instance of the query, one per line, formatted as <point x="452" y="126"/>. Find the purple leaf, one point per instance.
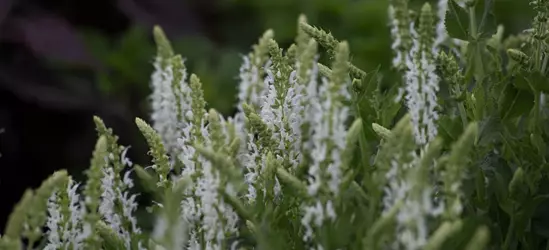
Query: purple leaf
<point x="51" y="37"/>
<point x="5" y="7"/>
<point x="175" y="17"/>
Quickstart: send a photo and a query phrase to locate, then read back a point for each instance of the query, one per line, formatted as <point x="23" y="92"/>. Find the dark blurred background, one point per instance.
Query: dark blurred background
<point x="63" y="61"/>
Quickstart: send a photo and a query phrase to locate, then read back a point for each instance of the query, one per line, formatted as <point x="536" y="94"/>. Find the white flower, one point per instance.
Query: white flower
<point x="54" y="218"/>
<point x="441" y="33"/>
<point x="397" y="40"/>
<point x="421" y="92"/>
<point x="166" y="103"/>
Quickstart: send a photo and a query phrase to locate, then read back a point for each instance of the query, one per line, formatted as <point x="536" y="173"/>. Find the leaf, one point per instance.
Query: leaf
<point x="540" y="220"/>
<point x="515" y="102"/>
<point x="500" y="183"/>
<point x="525" y="214"/>
<point x="538" y="82"/>
<point x="53" y="38"/>
<point x="451" y="128"/>
<point x="521" y="82"/>
<point x="459" y="240"/>
<point x="457" y="21"/>
<point x="489" y="130"/>
<point x="5" y="8"/>
<point x="484" y="11"/>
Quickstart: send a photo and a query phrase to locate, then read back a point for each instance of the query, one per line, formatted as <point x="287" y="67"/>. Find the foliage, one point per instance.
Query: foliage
<point x="324" y="157"/>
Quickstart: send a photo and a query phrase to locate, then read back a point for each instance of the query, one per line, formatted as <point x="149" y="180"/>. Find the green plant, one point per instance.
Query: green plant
<point x="323" y="157"/>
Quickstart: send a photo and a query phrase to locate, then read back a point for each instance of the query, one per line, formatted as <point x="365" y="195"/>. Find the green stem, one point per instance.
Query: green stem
<point x="462" y="114"/>
<point x="473" y="22"/>
<point x="544" y="65"/>
<point x="461" y="107"/>
<point x="30" y="244"/>
<point x="537" y="104"/>
<point x="359" y="189"/>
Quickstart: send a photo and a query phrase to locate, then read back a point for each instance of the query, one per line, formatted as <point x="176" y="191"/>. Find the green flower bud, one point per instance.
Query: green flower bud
<point x="164" y="48"/>
<point x="519" y="56"/>
<point x="157" y="151"/>
<point x="381" y="131"/>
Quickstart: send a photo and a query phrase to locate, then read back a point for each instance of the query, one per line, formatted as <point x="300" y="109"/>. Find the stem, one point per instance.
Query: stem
<point x="473" y="22"/>
<point x="544" y="65"/>
<point x="537" y="105"/>
<point x="461" y="107"/>
<point x="30" y="244"/>
<point x="509" y="234"/>
<point x="359" y="189"/>
<point x="462" y="114"/>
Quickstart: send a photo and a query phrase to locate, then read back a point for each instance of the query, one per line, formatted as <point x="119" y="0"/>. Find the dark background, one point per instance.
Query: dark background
<point x="63" y="61"/>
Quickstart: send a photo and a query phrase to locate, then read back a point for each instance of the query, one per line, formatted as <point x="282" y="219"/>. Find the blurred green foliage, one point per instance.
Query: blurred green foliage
<point x="363" y="23"/>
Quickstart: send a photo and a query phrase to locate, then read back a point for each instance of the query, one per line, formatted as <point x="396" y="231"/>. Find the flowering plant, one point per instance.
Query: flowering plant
<point x="323" y="157"/>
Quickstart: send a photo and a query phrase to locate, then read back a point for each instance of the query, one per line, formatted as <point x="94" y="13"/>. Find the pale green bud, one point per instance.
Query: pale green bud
<point x="324" y="70"/>
<point x="178" y="68"/>
<point x="216" y="132"/>
<point x="302" y="39"/>
<point x="164" y="48"/>
<point x="157" y="151"/>
<point x="519" y="56"/>
<point x="198" y="105"/>
<point x="381" y="131"/>
<point x="16" y="220"/>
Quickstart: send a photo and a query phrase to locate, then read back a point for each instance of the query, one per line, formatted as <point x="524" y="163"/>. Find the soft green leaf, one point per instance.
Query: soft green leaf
<point x="515" y="102"/>
<point x="487" y="25"/>
<point x="457" y="21"/>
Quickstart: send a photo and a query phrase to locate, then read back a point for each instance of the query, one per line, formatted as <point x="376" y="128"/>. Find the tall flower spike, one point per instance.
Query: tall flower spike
<point x="302" y="39"/>
<point x="66" y="214"/>
<point x="421" y="80"/>
<point x="36" y="215"/>
<point x="328" y="116"/>
<point x="160" y="158"/>
<point x="164" y="98"/>
<point x="198" y="104"/>
<point x="330" y="43"/>
<point x="454" y="169"/>
<point x="251" y="75"/>
<point x="441" y="33"/>
<point x="92" y="190"/>
<point x="400" y="31"/>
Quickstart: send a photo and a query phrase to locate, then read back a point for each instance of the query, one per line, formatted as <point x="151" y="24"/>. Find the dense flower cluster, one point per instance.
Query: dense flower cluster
<point x="307" y="161"/>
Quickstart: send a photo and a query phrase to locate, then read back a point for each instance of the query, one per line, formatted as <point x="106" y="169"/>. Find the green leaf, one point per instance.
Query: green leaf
<point x="521" y="82"/>
<point x="525" y="213"/>
<point x="540" y="220"/>
<point x="500" y="184"/>
<point x="484" y="11"/>
<point x="457" y="21"/>
<point x="489" y="130"/>
<point x="538" y="82"/>
<point x="450" y="128"/>
<point x="460" y="239"/>
<point x="515" y="102"/>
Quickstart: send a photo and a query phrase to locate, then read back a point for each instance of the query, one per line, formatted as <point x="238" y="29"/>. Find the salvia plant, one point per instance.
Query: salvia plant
<point x="453" y="156"/>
